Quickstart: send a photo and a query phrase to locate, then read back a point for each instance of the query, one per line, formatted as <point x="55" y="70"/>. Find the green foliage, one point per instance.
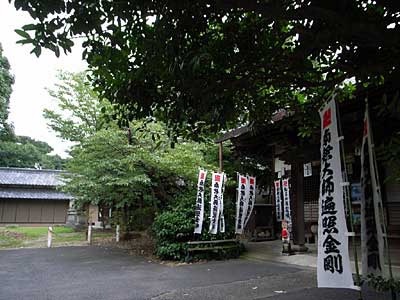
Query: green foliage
<point x="100" y="171"/>
<point x="382" y="284"/>
<point x="144" y="179"/>
<point x="201" y="66"/>
<point x="142" y="176"/>
<point x="388" y="150"/>
<point x="25" y="152"/>
<point x="6" y="82"/>
<point x="174" y="227"/>
<point x="19" y="151"/>
<point x="80" y="113"/>
<point x="7" y="241"/>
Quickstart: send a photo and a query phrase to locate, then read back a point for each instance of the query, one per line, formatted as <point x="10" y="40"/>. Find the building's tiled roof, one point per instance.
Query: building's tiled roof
<point x="30" y="177"/>
<point x="24" y="193"/>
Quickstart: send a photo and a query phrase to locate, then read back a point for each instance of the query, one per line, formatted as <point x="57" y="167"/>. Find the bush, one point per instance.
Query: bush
<point x="382" y="284"/>
<point x="173" y="228"/>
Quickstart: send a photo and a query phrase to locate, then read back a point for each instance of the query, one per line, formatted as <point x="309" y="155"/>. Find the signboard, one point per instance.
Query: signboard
<point x="307" y="170"/>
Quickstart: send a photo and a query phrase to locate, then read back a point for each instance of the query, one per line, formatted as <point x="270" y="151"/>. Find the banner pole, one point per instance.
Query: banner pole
<point x="347" y="198"/>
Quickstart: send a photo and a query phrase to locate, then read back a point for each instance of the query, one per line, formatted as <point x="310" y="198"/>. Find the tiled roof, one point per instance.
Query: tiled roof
<point x="30" y="177"/>
<point x="23" y="193"/>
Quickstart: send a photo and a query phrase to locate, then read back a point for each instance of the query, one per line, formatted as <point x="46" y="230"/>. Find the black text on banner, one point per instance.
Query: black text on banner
<point x="333" y="262"/>
<point x="199" y="212"/>
<point x="216" y="189"/>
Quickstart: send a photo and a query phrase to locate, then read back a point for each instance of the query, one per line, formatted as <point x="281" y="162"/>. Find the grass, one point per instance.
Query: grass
<point x="9" y="242"/>
<point x="15" y="236"/>
<point x="36" y="232"/>
<point x="73" y="237"/>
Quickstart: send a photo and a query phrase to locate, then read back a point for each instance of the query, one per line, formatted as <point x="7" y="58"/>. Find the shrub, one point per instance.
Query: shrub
<point x="173" y="228"/>
<point x="382" y="284"/>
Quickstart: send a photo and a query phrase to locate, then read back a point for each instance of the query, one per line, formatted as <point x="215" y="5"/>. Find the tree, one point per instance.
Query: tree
<point x="143" y="175"/>
<point x="80" y="112"/>
<point x="6" y="82"/>
<point x="25" y="152"/>
<point x="206" y="65"/>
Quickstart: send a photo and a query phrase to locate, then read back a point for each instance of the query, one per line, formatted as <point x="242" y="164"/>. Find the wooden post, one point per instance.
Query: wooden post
<point x="117" y="234"/>
<point x="89" y="235"/>
<point x="49" y="237"/>
<point x="221" y="167"/>
<point x="300" y="230"/>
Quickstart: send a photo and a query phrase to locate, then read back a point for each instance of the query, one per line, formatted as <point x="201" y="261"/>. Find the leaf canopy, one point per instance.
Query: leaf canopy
<point x="205" y="65"/>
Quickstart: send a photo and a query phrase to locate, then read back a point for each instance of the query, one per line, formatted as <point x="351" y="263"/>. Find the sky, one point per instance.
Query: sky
<point x="32" y="75"/>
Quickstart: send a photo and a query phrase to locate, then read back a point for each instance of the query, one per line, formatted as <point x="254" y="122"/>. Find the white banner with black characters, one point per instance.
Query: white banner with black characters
<point x="216" y="191"/>
<point x="333" y="263"/>
<point x="199" y="212"/>
<point x="287" y="212"/>
<point x="251" y="200"/>
<point x="371" y="225"/>
<point x="221" y="205"/>
<point x="241" y="203"/>
<point x="278" y="200"/>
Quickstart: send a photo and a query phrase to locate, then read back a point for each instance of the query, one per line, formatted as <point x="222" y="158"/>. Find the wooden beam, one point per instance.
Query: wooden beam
<point x="233" y="133"/>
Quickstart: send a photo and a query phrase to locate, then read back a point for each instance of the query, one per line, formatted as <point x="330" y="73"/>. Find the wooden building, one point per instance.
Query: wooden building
<point x="284" y="154"/>
<point x="30" y="196"/>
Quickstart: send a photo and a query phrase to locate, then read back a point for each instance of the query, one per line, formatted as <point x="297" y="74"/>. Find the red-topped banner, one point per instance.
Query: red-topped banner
<point x="241" y="203"/>
<point x="221" y="206"/>
<point x="327" y="118"/>
<point x="215" y="201"/>
<point x="199" y="212"/>
<point x="333" y="263"/>
<point x="251" y="201"/>
<point x="246" y="196"/>
<point x="287" y="212"/>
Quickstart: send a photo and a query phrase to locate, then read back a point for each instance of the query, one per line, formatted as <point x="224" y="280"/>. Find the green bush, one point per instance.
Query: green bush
<point x="382" y="284"/>
<point x="173" y="228"/>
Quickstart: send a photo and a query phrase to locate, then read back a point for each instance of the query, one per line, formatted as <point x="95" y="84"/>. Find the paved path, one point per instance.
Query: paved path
<point x="101" y="273"/>
<point x="272" y="251"/>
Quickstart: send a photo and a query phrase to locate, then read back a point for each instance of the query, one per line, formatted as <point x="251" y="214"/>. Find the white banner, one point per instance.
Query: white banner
<point x="371" y="230"/>
<point x="215" y="202"/>
<point x="241" y="203"/>
<point x="287" y="212"/>
<point x="221" y="205"/>
<point x="199" y="212"/>
<point x="251" y="200"/>
<point x="333" y="263"/>
<point x="278" y="200"/>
